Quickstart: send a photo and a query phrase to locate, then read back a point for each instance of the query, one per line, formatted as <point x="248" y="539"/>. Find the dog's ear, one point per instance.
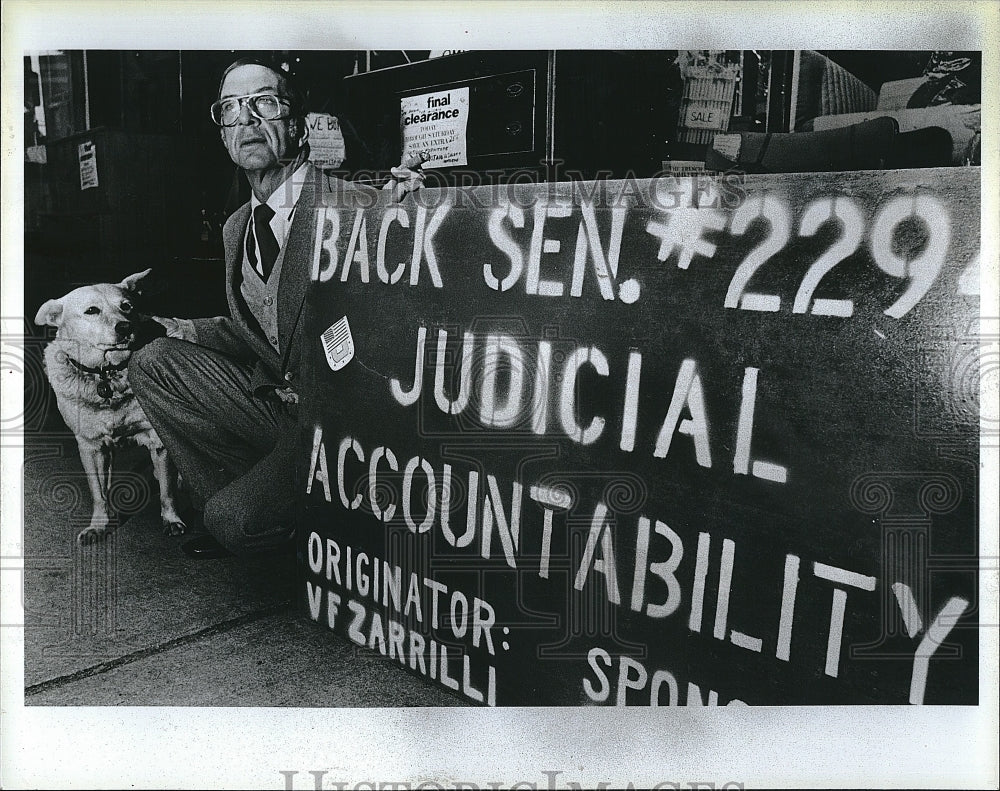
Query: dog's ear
<point x="50" y="313"/>
<point x="134" y="282"/>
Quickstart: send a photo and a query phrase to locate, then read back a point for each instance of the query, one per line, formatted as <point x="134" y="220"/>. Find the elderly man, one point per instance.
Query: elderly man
<point x="220" y="392"/>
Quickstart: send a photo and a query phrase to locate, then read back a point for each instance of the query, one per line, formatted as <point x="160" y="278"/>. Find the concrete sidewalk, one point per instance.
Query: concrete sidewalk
<point x="133" y="621"/>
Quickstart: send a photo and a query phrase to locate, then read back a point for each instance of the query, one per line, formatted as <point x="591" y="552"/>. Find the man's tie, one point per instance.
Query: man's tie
<point x="261" y="230"/>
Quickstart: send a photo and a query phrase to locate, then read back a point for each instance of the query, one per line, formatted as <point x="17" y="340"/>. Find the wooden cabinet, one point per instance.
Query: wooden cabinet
<point x="533" y="115"/>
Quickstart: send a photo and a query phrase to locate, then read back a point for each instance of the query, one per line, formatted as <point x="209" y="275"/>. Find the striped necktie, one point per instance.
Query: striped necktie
<point x="260" y="230"/>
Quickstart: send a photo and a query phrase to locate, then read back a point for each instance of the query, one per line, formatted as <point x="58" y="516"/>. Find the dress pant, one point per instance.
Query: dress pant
<point x="236" y="451"/>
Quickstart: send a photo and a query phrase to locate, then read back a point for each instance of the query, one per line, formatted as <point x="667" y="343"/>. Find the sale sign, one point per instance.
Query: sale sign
<point x="677" y="441"/>
<point x="435" y="124"/>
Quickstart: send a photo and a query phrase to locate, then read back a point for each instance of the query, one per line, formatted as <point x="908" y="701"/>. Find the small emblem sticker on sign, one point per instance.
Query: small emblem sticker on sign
<point x="338" y="345"/>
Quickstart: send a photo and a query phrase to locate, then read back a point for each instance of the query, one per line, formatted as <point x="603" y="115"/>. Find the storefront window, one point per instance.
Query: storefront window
<point x="62" y="93"/>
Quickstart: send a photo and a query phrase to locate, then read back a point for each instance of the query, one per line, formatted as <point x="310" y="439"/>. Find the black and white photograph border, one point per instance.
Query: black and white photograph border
<point x="398" y="731"/>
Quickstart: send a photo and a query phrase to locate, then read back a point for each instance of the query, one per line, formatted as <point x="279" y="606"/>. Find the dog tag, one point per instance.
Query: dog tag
<point x="338" y="345"/>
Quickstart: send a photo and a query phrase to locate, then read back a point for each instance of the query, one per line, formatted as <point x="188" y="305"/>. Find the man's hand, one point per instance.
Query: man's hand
<point x="408" y="176"/>
<point x="172" y="326"/>
<point x="287" y="395"/>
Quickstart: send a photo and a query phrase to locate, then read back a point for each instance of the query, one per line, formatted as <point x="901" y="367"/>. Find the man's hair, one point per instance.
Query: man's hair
<point x="288" y="83"/>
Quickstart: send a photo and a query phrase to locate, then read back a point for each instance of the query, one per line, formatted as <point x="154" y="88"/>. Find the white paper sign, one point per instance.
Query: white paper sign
<point x="326" y="141"/>
<point x="88" y="164"/>
<point x="436" y="123"/>
<point x="705" y="115"/>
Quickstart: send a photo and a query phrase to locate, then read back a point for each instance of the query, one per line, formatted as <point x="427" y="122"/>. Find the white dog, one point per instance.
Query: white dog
<point x="98" y="329"/>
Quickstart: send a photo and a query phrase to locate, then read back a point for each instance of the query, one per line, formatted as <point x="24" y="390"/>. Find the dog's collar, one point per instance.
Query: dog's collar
<point x="104" y="371"/>
<point x="104" y="388"/>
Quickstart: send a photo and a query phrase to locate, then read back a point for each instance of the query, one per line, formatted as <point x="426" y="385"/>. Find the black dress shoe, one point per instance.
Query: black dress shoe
<point x="204" y="547"/>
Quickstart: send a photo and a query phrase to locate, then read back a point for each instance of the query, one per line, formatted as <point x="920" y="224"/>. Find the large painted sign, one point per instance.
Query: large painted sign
<point x="679" y="441"/>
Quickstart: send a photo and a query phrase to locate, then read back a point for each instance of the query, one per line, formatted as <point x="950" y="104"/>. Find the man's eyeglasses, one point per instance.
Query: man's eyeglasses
<point x="264" y="106"/>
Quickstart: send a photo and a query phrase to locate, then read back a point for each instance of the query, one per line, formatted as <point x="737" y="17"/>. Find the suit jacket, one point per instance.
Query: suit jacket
<point x="239" y="334"/>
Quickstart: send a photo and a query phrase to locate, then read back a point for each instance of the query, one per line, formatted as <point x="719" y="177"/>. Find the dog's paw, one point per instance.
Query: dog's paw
<point x="93" y="534"/>
<point x="174" y="528"/>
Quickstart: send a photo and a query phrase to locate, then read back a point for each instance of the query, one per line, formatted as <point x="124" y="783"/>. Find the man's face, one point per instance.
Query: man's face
<point x="254" y="144"/>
